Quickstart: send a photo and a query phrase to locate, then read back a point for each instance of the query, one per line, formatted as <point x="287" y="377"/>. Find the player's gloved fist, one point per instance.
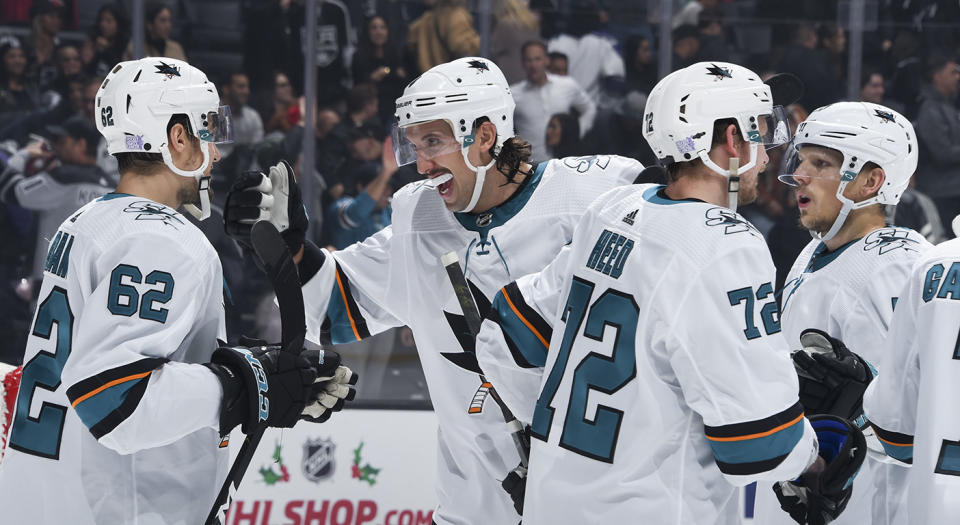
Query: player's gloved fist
<point x="818" y="497"/>
<point x="273" y="196"/>
<point x="516" y="485"/>
<point x="332" y="386"/>
<point x="832" y="378"/>
<point x="261" y="385"/>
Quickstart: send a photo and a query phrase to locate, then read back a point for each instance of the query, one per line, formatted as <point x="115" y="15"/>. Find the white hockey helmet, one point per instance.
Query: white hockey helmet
<point x="136" y="100"/>
<point x="682" y="108"/>
<point x="862" y="132"/>
<point x="458" y="92"/>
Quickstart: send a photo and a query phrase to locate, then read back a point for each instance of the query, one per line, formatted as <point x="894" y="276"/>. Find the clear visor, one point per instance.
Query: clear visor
<point x="216" y="126"/>
<point x="424" y="141"/>
<point x="809" y="163"/>
<point x="772" y="130"/>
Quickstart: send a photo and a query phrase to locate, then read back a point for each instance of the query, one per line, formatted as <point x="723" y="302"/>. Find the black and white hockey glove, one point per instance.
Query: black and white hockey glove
<point x="516" y="485"/>
<point x="832" y="378"/>
<point x="273" y="196"/>
<point x="817" y="498"/>
<point x="332" y="386"/>
<point x="261" y="385"/>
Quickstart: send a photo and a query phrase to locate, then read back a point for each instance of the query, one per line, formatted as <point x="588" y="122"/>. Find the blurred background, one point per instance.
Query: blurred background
<point x="313" y="82"/>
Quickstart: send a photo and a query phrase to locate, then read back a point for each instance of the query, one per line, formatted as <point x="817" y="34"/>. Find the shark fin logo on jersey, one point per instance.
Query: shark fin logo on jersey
<point x="151" y="211"/>
<point x="731" y="221"/>
<point x="166" y="69"/>
<point x="886" y="240"/>
<point x="318" y="459"/>
<point x="466" y="358"/>
<point x="719" y="73"/>
<point x="582" y="164"/>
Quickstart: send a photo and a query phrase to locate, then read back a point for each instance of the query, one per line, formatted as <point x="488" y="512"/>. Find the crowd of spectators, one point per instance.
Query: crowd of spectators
<point x="580" y="71"/>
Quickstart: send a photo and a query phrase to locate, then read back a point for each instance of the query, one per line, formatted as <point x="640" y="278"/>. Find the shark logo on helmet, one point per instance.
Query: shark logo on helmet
<point x="166" y="69"/>
<point x="719" y="72"/>
<point x="479" y="65"/>
<point x="885" y="115"/>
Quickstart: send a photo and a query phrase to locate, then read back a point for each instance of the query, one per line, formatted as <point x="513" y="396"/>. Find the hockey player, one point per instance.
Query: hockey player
<point x="125" y="400"/>
<point x="848" y="160"/>
<point x="919" y="368"/>
<point x="651" y="345"/>
<point x="503" y="216"/>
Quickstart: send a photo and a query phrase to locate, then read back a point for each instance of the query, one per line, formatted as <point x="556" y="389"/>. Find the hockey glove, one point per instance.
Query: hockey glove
<point x="269" y="386"/>
<point x="273" y="196"/>
<point x="817" y="498"/>
<point x="332" y="386"/>
<point x="516" y="485"/>
<point x="832" y="378"/>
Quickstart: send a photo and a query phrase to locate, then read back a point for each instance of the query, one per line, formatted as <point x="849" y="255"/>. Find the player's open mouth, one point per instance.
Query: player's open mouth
<point x="802" y="201"/>
<point x="445" y="188"/>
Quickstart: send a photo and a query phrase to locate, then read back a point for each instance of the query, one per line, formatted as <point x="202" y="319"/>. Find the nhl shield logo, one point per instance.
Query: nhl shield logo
<point x="318" y="463"/>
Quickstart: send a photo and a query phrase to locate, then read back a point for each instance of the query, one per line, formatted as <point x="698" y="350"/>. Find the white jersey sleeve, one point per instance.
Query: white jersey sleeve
<point x="136" y="321"/>
<point x="346" y="300"/>
<point x="515" y="337"/>
<point x="908" y="404"/>
<point x="755" y="423"/>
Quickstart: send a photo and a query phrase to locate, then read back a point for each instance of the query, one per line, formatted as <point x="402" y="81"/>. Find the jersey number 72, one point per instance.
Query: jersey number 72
<point x="596" y="438"/>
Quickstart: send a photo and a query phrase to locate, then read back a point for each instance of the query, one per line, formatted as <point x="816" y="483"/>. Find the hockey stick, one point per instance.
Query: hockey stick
<point x="471" y="315"/>
<point x="283" y="276"/>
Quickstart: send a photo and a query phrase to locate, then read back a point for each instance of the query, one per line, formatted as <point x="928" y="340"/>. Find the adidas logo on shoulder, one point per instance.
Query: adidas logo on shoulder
<point x="630" y="217"/>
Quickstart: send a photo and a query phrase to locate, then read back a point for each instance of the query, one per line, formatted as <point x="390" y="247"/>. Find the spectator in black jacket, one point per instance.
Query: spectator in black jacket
<point x="938" y="132"/>
<point x="802" y="58"/>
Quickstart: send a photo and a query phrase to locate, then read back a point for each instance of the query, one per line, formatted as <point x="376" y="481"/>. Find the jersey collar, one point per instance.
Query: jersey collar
<point x="114" y="195"/>
<point x="821" y="257"/>
<point x="498" y="215"/>
<point x="658" y="195"/>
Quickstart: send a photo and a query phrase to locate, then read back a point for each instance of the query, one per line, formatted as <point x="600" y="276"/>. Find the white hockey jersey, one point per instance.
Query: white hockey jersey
<point x="113" y="422"/>
<point x="396" y="278"/>
<point x="850" y="293"/>
<point x="662" y="382"/>
<point x="911" y="403"/>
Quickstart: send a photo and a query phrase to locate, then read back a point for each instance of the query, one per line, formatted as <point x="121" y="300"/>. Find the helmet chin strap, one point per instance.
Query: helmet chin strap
<point x="847" y="206"/>
<point x="478" y="186"/>
<point x="732" y="173"/>
<point x="203" y="181"/>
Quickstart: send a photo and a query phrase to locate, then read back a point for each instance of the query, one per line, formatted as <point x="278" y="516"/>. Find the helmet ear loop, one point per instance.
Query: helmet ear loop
<point x="733" y="186"/>
<point x="481" y="172"/>
<point x="197" y="173"/>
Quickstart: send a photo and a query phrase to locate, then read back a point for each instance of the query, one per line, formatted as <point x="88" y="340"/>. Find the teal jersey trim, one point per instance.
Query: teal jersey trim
<point x="111" y="196"/>
<point x="527" y="343"/>
<point x="504" y="212"/>
<point x="821" y="257"/>
<point x="658" y="195"/>
<point x="753" y="450"/>
<point x="96" y="408"/>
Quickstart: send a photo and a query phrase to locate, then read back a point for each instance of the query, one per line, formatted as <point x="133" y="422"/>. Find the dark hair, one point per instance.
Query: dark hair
<point x="531" y="43"/>
<point x="152" y="9"/>
<point x="867" y="73"/>
<point x="553" y="55"/>
<point x="719" y="137"/>
<point x="934" y="65"/>
<point x="569" y="136"/>
<point x="392" y="53"/>
<point x="514" y="152"/>
<point x="147" y="163"/>
<point x="123" y="23"/>
<point x="227" y="79"/>
<point x="359" y="96"/>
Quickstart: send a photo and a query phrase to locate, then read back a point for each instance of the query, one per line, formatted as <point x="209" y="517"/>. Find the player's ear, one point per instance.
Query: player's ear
<point x="732" y="140"/>
<point x="179" y="141"/>
<point x="872" y="180"/>
<point x="486" y="135"/>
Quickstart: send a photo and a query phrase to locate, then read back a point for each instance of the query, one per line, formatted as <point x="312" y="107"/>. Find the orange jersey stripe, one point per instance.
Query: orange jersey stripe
<point x="346" y="306"/>
<point x="506" y="296"/>
<point x="115" y="382"/>
<point x="892" y="443"/>
<point x="758" y="435"/>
